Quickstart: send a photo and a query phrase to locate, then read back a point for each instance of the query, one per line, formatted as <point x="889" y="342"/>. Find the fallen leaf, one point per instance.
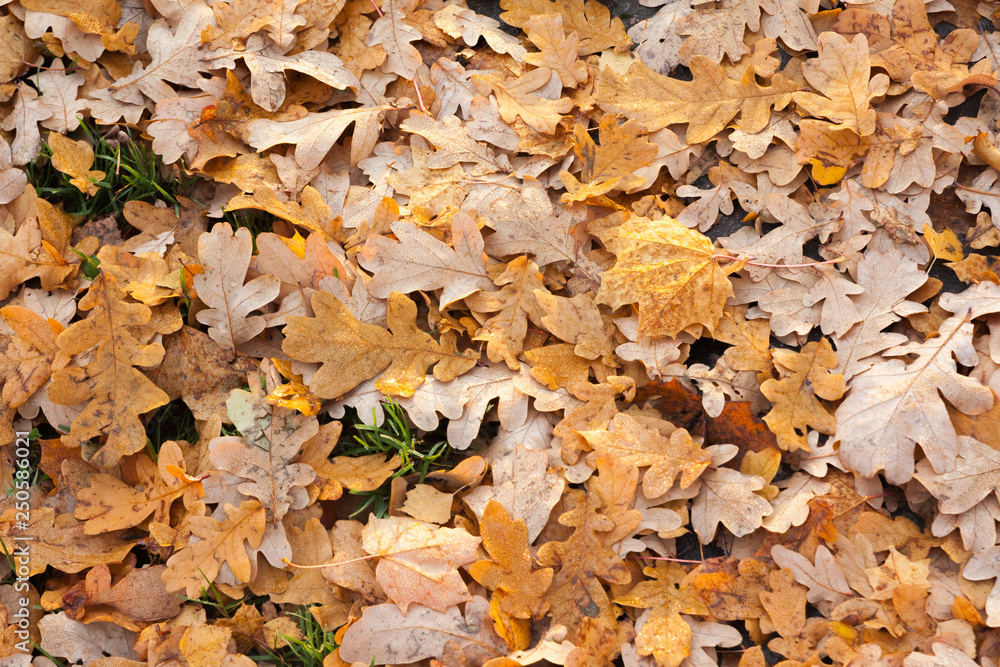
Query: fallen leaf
<point x="418" y="562"/>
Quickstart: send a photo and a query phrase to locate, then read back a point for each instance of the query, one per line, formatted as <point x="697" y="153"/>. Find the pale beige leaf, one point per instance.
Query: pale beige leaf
<point x="727" y="497"/>
<point x="976" y="474"/>
<point x="394" y="35"/>
<point x="418" y="561"/>
<point x="419" y="261"/>
<point x="895" y="405"/>
<point x="385" y="636"/>
<point x="226" y="257"/>
<point x="824" y="579"/>
<point x="522" y="484"/>
<point x="470" y="26"/>
<point x="843" y="74"/>
<point x="314" y="135"/>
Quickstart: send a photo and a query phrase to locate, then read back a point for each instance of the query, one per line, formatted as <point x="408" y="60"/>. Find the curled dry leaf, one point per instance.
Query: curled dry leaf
<point x="684" y="286"/>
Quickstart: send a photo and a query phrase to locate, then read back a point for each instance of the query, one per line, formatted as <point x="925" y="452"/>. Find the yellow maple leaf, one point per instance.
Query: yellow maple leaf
<point x="670" y="271"/>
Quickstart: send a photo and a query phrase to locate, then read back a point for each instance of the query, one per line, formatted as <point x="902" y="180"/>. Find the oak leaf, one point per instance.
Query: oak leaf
<point x="75" y="159"/>
<point x="26" y="255"/>
<point x="238" y="20"/>
<point x="362" y="473"/>
<point x="589" y="19"/>
<point x="944" y="655"/>
<point x="30" y="356"/>
<point x="110" y="504"/>
<point x="528" y="222"/>
<point x="59" y="540"/>
<point x="314" y="135"/>
<point x="707" y="103"/>
<point x="117" y="392"/>
<point x="907" y="47"/>
<point x="386" y="636"/>
<point x="12" y="179"/>
<point x="310" y="546"/>
<point x="707" y="635"/>
<point x="717" y="31"/>
<point x="514" y="304"/>
<point x="352" y="352"/>
<point x="750" y="340"/>
<point x="350" y="567"/>
<point x="185" y="225"/>
<point x="664" y="635"/>
<point x="176" y="57"/>
<point x="633" y="443"/>
<point x="268" y="64"/>
<point x="805" y="378"/>
<point x="139" y="595"/>
<point x="470" y="26"/>
<point x="882" y="303"/>
<point x="843" y="74"/>
<point x="523" y="486"/>
<point x="897" y="406"/>
<point x="23" y="119"/>
<point x="611" y="164"/>
<point x="455" y="145"/>
<point x="972" y="479"/>
<point x="582" y="559"/>
<point x="824" y="579"/>
<point x="557" y="50"/>
<point x="896" y="571"/>
<point x="221" y="542"/>
<point x="785" y="603"/>
<point x="578" y="321"/>
<point x="418" y="561"/>
<point x="419" y="261"/>
<point x="94" y="17"/>
<point x="393" y="34"/>
<point x="791" y="505"/>
<point x="200" y="372"/>
<point x="510" y="571"/>
<point x="986" y="565"/>
<point x="729" y="588"/>
<point x="669" y="271"/>
<point x="225" y="257"/>
<point x="516" y="99"/>
<point x="727" y="496"/>
<point x="87" y="643"/>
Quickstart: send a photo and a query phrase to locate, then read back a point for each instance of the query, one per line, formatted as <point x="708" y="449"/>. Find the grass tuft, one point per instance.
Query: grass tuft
<point x="133" y="172"/>
<point x="396" y="435"/>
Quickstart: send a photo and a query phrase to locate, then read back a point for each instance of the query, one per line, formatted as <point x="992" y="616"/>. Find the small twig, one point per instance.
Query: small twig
<point x="807" y="265"/>
<point x="672" y="560"/>
<point x="420" y="98"/>
<point x="318" y="567"/>
<point x="380" y="14"/>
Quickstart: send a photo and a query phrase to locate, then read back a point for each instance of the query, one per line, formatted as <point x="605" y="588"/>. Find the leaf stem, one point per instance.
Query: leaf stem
<point x="807" y="265"/>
